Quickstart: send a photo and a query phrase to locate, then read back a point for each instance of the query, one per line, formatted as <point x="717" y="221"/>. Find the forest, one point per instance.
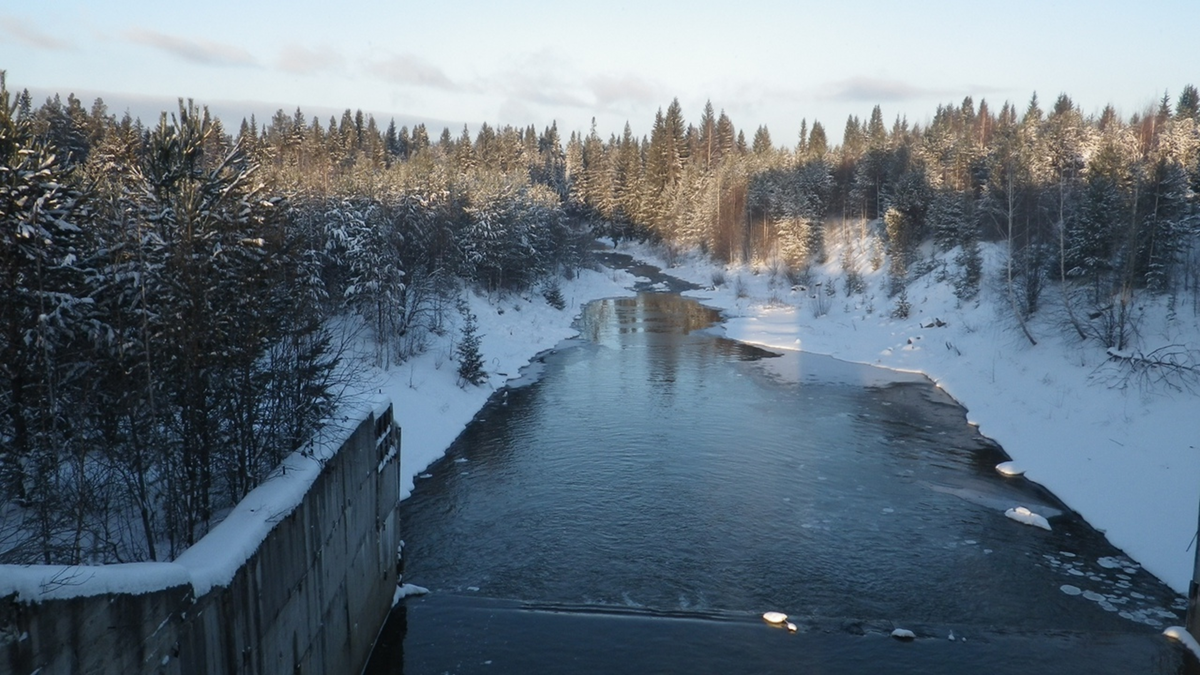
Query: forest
<point x="182" y="301"/>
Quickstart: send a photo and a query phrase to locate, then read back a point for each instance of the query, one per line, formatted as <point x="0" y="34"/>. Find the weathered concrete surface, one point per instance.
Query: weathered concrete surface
<point x="311" y="599"/>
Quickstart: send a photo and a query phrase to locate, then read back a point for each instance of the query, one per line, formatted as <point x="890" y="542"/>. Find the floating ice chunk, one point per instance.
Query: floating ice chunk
<point x="1110" y="563"/>
<point x="460" y="460"/>
<point x="1070" y="590"/>
<point x="774" y="617"/>
<point x="1024" y="515"/>
<point x="791" y="627"/>
<point x="1009" y="469"/>
<point x="1093" y="596"/>
<point x="1180" y="634"/>
<point x="904" y="634"/>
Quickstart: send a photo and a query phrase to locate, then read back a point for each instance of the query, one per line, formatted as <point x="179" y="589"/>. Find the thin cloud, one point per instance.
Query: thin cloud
<point x="303" y="60"/>
<point x="204" y="52"/>
<point x="26" y="33"/>
<point x="874" y="90"/>
<point x="614" y="90"/>
<point x="408" y="69"/>
<point x="543" y="89"/>
<point x="541" y="78"/>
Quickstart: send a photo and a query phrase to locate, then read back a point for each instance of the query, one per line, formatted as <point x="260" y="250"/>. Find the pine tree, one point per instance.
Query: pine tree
<point x="1188" y="104"/>
<point x="46" y="317"/>
<point x="470" y="359"/>
<point x="761" y="145"/>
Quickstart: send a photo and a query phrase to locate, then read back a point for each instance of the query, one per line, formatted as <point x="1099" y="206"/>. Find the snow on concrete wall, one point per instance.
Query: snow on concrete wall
<point x="308" y="596"/>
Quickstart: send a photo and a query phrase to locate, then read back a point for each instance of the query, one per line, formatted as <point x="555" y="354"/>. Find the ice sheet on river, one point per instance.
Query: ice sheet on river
<point x="997" y="497"/>
<point x="801" y="367"/>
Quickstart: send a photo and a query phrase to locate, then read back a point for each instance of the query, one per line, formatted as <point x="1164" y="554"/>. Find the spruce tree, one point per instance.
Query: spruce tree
<point x="470" y="359"/>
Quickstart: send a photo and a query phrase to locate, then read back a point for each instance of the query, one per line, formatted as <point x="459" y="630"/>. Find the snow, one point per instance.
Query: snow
<point x="215" y="559"/>
<point x="1024" y="515"/>
<point x="405" y="590"/>
<point x="1009" y="469"/>
<point x="429" y="406"/>
<point x="1180" y="633"/>
<point x="35" y="583"/>
<point x="1126" y="459"/>
<point x="774" y="617"/>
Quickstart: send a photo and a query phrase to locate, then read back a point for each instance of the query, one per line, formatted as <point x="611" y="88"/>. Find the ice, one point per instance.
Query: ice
<point x="904" y="634"/>
<point x="1009" y="469"/>
<point x="1070" y="590"/>
<point x="406" y="590"/>
<point x="1180" y="634"/>
<point x="774" y="617"/>
<point x="1024" y="515"/>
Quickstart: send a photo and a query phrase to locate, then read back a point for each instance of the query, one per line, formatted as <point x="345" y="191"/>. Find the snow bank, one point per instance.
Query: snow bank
<point x="215" y="559"/>
<point x="1185" y="638"/>
<point x="430" y="406"/>
<point x="36" y="583"/>
<point x="1127" y="460"/>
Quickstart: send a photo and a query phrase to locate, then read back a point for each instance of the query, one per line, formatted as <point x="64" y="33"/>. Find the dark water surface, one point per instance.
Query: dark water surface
<point x="639" y="505"/>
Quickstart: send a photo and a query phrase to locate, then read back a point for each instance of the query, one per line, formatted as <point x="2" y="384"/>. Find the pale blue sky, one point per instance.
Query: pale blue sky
<point x="532" y="61"/>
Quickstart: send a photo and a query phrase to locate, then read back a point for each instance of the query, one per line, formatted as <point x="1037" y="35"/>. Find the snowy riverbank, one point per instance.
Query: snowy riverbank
<point x="1128" y="460"/>
<point x="430" y="406"/>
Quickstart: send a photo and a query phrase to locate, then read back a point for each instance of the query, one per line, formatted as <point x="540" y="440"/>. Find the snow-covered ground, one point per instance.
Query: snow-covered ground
<point x="1128" y="460"/>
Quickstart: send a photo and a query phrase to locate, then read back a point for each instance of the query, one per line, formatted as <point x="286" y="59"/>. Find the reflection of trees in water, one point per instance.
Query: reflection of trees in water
<point x="662" y="313"/>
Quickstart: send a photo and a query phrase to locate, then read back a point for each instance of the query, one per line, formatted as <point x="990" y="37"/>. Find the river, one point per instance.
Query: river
<point x="650" y="488"/>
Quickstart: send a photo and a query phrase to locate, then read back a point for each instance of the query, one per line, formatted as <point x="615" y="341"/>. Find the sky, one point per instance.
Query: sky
<point x="522" y="62"/>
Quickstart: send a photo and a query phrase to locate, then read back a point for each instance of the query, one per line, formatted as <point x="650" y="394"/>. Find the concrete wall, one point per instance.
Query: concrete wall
<point x="311" y="599"/>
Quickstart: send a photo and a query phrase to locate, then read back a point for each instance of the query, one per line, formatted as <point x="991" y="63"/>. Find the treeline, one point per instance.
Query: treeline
<point x="1106" y="206"/>
<point x="170" y="294"/>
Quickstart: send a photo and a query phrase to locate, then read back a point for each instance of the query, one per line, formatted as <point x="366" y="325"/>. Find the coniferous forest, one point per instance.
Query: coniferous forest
<point x="175" y="292"/>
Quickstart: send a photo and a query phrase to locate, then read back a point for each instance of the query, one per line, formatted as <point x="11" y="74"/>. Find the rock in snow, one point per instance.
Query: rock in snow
<point x="1024" y="515"/>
